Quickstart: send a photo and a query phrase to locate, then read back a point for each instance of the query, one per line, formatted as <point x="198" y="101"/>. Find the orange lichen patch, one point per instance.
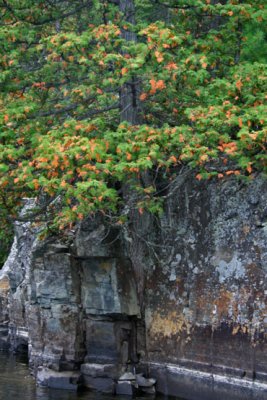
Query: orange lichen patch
<point x="223" y="303"/>
<point x="171" y="324"/>
<point x="204" y="295"/>
<point x="4" y="285"/>
<point x="203" y="301"/>
<point x="239" y="329"/>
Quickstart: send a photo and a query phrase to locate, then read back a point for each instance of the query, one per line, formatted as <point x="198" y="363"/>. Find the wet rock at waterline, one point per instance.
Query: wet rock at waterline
<point x="68" y="380"/>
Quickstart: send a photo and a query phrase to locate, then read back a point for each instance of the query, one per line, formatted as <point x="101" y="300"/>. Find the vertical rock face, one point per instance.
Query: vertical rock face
<point x="71" y="305"/>
<point x="14" y="279"/>
<point x="109" y="303"/>
<point x="201" y="326"/>
<point x="206" y="301"/>
<point x="54" y="313"/>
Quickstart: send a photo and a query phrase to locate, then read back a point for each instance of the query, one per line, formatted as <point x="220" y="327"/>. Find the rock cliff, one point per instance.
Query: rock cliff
<point x="181" y="297"/>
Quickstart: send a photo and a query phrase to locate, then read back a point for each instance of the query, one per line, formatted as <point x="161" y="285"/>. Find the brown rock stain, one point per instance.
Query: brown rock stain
<point x="173" y="323"/>
<point x="4" y="285"/>
<point x="223" y="302"/>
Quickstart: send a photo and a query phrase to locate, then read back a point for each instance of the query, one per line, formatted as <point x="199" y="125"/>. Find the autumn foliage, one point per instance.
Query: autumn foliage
<point x="200" y="99"/>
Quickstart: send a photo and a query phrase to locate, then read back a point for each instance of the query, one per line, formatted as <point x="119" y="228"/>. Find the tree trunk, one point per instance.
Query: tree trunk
<point x="129" y="92"/>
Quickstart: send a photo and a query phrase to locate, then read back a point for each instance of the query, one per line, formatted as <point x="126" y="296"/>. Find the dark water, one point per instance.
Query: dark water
<point x="16" y="383"/>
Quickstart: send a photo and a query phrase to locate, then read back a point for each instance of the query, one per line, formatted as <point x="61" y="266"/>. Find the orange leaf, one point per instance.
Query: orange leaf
<point x="43" y="159"/>
<point x="20" y="141"/>
<point x="98" y="158"/>
<point x="173" y="158"/>
<point x="55" y="163"/>
<point x="63" y="184"/>
<point x="153" y="84"/>
<point x="143" y="96"/>
<point x="6" y="118"/>
<point x="171" y="66"/>
<point x="249" y="168"/>
<point x="124" y="71"/>
<point x="239" y="84"/>
<point x="203" y="157"/>
<point x="159" y="56"/>
<point x="199" y="177"/>
<point x="161" y="84"/>
<point x="36" y="184"/>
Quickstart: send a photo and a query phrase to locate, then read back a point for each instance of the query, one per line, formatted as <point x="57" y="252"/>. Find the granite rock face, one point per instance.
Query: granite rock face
<point x="183" y="297"/>
<point x="206" y="300"/>
<point x="70" y="306"/>
<point x="14" y="280"/>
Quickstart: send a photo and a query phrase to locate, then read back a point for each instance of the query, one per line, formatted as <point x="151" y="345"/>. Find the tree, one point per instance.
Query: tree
<point x="96" y="94"/>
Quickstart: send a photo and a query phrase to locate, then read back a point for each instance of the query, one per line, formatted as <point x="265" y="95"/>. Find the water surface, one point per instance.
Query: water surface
<point x="16" y="383"/>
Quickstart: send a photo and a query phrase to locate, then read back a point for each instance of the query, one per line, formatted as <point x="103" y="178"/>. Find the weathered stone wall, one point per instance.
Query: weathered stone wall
<point x="74" y="306"/>
<point x="14" y="279"/>
<point x="206" y="300"/>
<point x="182" y="297"/>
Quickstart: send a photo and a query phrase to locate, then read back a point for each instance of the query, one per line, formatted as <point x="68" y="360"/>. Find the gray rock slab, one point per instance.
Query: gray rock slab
<point x="99" y="370"/>
<point x="127" y="376"/>
<point x="145" y="382"/>
<point x="66" y="380"/>
<point x="104" y="385"/>
<point x="125" y="388"/>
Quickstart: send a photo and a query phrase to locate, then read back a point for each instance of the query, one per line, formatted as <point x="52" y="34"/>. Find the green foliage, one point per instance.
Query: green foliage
<point x="6" y="237"/>
<point x="197" y="78"/>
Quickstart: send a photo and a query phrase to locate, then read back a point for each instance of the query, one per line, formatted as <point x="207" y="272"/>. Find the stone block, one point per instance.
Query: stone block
<point x="101" y="343"/>
<point x="67" y="380"/>
<point x="104" y="385"/>
<point x="100" y="370"/>
<point x="108" y="287"/>
<point x="125" y="388"/>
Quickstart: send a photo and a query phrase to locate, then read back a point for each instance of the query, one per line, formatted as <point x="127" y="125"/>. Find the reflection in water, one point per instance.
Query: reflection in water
<point x="16" y="383"/>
